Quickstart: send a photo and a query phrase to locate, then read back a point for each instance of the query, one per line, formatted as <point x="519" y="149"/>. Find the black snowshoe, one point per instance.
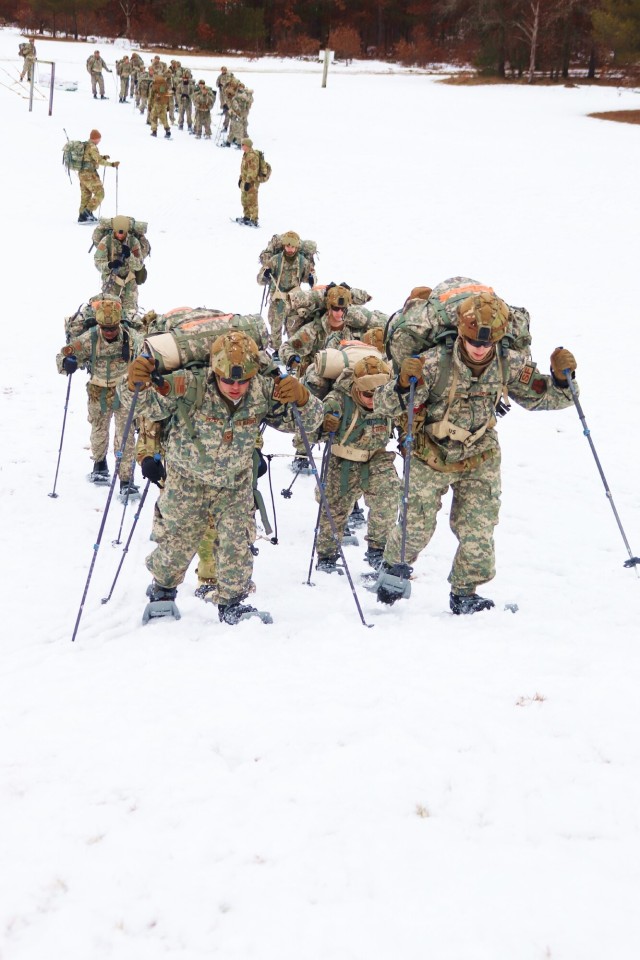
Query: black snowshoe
<point x="128" y="491"/>
<point x="161" y="603"/>
<point x="471" y="603"/>
<point x="349" y="538"/>
<point x="100" y="472"/>
<point x="393" y="582"/>
<point x="373" y="556"/>
<point x="356" y="518"/>
<point x="301" y="464"/>
<point x="234" y="611"/>
<point x="329" y="565"/>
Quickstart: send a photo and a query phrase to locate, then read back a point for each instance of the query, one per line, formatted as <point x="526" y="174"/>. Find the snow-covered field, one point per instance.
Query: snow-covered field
<point x="434" y="787"/>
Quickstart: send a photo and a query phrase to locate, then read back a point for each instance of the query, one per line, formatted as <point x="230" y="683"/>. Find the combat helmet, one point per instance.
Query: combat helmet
<point x="338" y="296"/>
<point x="369" y="373"/>
<point x="120" y="223"/>
<point x="291" y="239"/>
<point x="483" y="317"/>
<point x="108" y="311"/>
<point x="234" y="356"/>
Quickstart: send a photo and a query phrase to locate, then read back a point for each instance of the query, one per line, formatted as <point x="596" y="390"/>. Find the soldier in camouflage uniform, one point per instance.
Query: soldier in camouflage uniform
<point x="457" y="396"/>
<point x="359" y="462"/>
<point x="137" y="67"/>
<point x="142" y="91"/>
<point x="91" y="189"/>
<point x="336" y="319"/>
<point x="184" y="94"/>
<point x="215" y="422"/>
<point x="229" y="90"/>
<point x="238" y="117"/>
<point x="160" y="97"/>
<point x="283" y="271"/>
<point x="118" y="257"/>
<point x="29" y="55"/>
<point x="104" y="350"/>
<point x="95" y="66"/>
<point x="249" y="184"/>
<point x="203" y="101"/>
<point x="124" y="71"/>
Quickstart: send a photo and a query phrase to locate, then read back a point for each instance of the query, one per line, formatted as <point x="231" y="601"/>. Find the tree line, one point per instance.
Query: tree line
<point x="515" y="39"/>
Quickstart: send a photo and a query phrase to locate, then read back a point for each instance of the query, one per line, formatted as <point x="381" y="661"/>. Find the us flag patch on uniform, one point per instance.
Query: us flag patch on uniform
<point x="527" y="373"/>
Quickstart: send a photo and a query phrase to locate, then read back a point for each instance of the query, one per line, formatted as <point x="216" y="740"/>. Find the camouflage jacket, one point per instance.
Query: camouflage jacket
<point x="203" y="100"/>
<point x="124" y="68"/>
<point x="285" y="273"/>
<point x="185" y="90"/>
<point x="144" y="83"/>
<point x="137" y="62"/>
<point x="317" y="334"/>
<point x="96" y="65"/>
<point x="240" y="105"/>
<point x="472" y="406"/>
<point x="250" y="166"/>
<point x="208" y="436"/>
<point x="359" y="428"/>
<point x="110" y="248"/>
<point x="92" y="158"/>
<point x="106" y="361"/>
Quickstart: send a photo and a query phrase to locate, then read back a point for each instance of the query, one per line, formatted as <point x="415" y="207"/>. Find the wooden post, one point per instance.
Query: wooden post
<point x="325" y="68"/>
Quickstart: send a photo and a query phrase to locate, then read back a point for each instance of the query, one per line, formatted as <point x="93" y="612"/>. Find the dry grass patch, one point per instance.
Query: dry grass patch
<point x="622" y="116"/>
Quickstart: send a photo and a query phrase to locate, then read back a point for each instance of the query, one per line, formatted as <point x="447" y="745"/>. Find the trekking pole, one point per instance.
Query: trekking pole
<point x="632" y="561"/>
<point x="96" y="546"/>
<point x="104" y="173"/>
<point x="264" y="296"/>
<point x="286" y="492"/>
<point x="117" y="169"/>
<point x="325" y="502"/>
<point x="118" y="541"/>
<point x="125" y="549"/>
<point x="64" y="421"/>
<point x="408" y="444"/>
<point x="274" y="538"/>
<point x="323" y="477"/>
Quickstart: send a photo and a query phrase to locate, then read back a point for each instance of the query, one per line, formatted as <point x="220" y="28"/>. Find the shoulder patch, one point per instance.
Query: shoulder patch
<point x="539" y="385"/>
<point x="526" y="373"/>
<point x="179" y="384"/>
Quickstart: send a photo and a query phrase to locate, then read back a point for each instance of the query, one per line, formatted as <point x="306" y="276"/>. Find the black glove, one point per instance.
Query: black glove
<point x="311" y="280"/>
<point x="239" y="181"/>
<point x="153" y="469"/>
<point x="70" y="365"/>
<point x="115" y="264"/>
<point x="267" y="274"/>
<point x="247" y="186"/>
<point x="126" y="252"/>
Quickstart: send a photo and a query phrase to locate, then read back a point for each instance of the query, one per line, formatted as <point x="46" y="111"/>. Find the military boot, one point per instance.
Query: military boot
<point x="329" y="564"/>
<point x="468" y="603"/>
<point x="100" y="472"/>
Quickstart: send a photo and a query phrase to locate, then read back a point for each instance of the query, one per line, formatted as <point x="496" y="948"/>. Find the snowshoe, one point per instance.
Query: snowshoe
<point x="206" y="591"/>
<point x="469" y="603"/>
<point x="373" y="556"/>
<point x="329" y="565"/>
<point x="392" y="582"/>
<point x="301" y="464"/>
<point x="161" y="603"/>
<point x="90" y="216"/>
<point x="234" y="611"/>
<point x="128" y="491"/>
<point x="84" y="217"/>
<point x="100" y="472"/>
<point x="167" y="134"/>
<point x="356" y="517"/>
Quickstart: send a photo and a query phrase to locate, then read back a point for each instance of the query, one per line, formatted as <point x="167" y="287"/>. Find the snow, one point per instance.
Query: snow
<point x="456" y="788"/>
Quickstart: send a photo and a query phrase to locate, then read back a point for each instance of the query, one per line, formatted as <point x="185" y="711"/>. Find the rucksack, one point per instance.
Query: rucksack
<point x="85" y="318"/>
<point x="332" y="361"/>
<point x="183" y="337"/>
<point x="264" y="168"/>
<point x="73" y="155"/>
<point x="137" y="227"/>
<point x="435" y="320"/>
<point x="23" y="49"/>
<point x="160" y="85"/>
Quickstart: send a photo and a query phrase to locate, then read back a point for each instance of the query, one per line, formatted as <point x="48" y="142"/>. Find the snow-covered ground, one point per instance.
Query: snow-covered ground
<point x="434" y="787"/>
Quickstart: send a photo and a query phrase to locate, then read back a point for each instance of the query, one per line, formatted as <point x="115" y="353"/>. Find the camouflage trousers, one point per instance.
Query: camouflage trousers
<point x="141" y="101"/>
<point x="91" y="190"/>
<point x="184" y="110"/>
<point x="236" y="130"/>
<point x="277" y="310"/>
<point x="250" y="201"/>
<point x="159" y="113"/>
<point x="186" y="511"/>
<point x="27" y="68"/>
<point x="202" y="121"/>
<point x="124" y="87"/>
<point x="100" y="412"/>
<point x="97" y="84"/>
<point x="346" y="481"/>
<point x="474" y="514"/>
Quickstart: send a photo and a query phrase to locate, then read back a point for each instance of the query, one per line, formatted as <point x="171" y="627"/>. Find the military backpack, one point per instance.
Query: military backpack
<point x="23" y="49"/>
<point x="264" y="168"/>
<point x="137" y="227"/>
<point x="74" y="155"/>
